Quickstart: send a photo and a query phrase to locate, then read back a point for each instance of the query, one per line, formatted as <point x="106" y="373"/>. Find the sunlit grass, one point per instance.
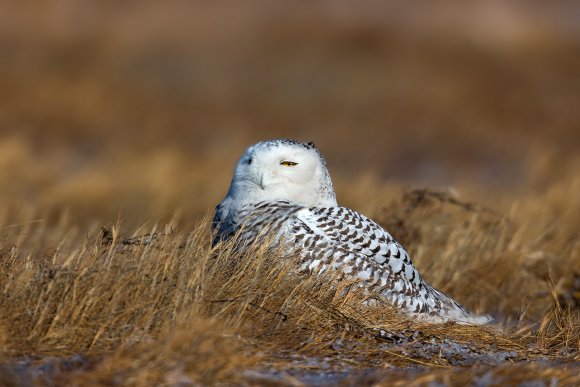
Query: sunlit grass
<point x="163" y="305"/>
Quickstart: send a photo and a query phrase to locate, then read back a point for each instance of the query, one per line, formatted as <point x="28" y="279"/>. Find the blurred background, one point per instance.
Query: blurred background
<point x="140" y="109"/>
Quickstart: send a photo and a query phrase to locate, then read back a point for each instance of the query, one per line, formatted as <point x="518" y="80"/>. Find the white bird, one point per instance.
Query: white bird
<point x="283" y="187"/>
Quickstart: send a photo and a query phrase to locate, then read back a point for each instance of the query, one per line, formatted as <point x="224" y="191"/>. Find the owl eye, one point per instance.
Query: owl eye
<point x="288" y="163"/>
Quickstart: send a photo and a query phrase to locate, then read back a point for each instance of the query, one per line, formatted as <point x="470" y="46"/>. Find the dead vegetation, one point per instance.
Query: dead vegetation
<point x="165" y="308"/>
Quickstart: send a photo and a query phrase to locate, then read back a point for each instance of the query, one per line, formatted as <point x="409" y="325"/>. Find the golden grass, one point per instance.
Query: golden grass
<point x="164" y="307"/>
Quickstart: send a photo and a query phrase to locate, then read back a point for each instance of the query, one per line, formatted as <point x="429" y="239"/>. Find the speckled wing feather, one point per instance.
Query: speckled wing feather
<point x="252" y="220"/>
<point x="347" y="240"/>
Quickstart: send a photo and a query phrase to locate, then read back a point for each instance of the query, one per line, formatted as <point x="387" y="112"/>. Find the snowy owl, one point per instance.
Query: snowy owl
<point x="283" y="187"/>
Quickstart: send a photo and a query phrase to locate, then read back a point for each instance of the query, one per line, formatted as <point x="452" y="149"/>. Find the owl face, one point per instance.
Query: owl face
<point x="282" y="170"/>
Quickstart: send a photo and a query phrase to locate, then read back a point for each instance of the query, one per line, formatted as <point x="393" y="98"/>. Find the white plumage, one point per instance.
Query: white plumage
<point x="283" y="187"/>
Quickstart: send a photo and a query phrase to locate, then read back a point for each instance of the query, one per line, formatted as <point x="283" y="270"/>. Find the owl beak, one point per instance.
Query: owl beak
<point x="258" y="179"/>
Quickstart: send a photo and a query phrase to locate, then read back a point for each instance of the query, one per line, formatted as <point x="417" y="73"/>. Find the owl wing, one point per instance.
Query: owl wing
<point x="347" y="240"/>
<point x="251" y="221"/>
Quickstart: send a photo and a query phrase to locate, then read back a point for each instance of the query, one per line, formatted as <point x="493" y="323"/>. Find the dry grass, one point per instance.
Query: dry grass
<point x="164" y="307"/>
<point x="130" y="117"/>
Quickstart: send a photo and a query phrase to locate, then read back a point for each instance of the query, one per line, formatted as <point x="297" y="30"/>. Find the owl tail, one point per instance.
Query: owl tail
<point x="476" y="319"/>
<point x="452" y="310"/>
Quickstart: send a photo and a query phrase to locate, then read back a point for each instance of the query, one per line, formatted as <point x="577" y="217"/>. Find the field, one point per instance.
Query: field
<point x="456" y="127"/>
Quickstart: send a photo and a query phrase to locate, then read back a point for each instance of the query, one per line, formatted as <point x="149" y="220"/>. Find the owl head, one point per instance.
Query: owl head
<point x="283" y="169"/>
